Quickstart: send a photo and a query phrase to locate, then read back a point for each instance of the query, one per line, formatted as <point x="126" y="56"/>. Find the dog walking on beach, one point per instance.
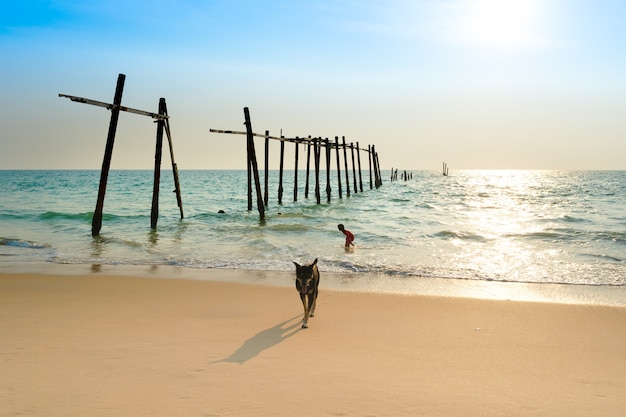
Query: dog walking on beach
<point x="307" y="281"/>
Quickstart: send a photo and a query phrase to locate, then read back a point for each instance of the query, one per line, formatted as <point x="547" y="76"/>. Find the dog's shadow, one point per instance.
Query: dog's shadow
<point x="264" y="340"/>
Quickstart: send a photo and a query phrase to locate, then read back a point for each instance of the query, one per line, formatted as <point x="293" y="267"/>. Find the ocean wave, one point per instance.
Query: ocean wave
<point x="450" y="234"/>
<point x="53" y="215"/>
<point x="19" y="243"/>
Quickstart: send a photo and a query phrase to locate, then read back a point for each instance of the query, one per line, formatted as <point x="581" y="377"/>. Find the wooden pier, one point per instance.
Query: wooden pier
<point x="322" y="150"/>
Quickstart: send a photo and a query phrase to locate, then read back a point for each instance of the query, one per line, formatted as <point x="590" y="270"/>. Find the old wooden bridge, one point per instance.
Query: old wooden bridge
<point x="315" y="146"/>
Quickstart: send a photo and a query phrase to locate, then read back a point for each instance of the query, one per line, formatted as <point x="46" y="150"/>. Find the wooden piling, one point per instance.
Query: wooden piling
<point x="154" y="214"/>
<point x="317" y="147"/>
<point x="328" y="188"/>
<point x="267" y="169"/>
<point x="338" y="166"/>
<point x="353" y="168"/>
<point x="280" y="173"/>
<point x="249" y="167"/>
<point x="358" y="157"/>
<point x="96" y="222"/>
<point x="345" y="165"/>
<point x="308" y="163"/>
<point x="369" y="155"/>
<point x="377" y="174"/>
<point x="295" y="173"/>
<point x="179" y="199"/>
<point x="252" y="153"/>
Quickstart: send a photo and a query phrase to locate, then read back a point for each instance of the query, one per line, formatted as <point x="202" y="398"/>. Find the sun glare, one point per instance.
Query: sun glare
<point x="500" y="22"/>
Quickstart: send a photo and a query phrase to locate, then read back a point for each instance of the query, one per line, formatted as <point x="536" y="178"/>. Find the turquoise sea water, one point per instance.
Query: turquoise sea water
<point x="564" y="227"/>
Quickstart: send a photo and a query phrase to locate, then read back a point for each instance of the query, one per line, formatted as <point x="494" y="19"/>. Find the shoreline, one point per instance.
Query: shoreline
<point x="76" y="344"/>
<point x="351" y="282"/>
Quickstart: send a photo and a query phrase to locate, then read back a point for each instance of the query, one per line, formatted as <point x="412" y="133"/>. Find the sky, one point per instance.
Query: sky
<point x="478" y="84"/>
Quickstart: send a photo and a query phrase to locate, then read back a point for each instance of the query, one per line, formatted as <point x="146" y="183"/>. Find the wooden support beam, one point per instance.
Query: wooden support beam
<point x="154" y="214"/>
<point x="338" y="166"/>
<point x="328" y="188"/>
<point x="114" y="106"/>
<point x="353" y="168"/>
<point x="369" y="153"/>
<point x="295" y="174"/>
<point x="259" y="198"/>
<point x="308" y="164"/>
<point x="179" y="199"/>
<point x="267" y="166"/>
<point x="345" y="165"/>
<point x="317" y="146"/>
<point x="280" y="176"/>
<point x="96" y="222"/>
<point x="358" y="157"/>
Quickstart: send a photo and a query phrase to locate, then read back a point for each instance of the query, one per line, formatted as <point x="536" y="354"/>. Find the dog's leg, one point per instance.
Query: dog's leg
<point x="314" y="295"/>
<point x="313" y="303"/>
<point x="305" y="319"/>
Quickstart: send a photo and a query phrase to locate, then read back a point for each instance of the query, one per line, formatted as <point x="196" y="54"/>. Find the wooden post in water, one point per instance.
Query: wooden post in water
<point x="369" y="154"/>
<point x="255" y="168"/>
<point x="96" y="222"/>
<point x="377" y="176"/>
<point x="154" y="214"/>
<point x="308" y="163"/>
<point x="345" y="165"/>
<point x="179" y="199"/>
<point x="280" y="174"/>
<point x="353" y="168"/>
<point x="249" y="166"/>
<point x="358" y="157"/>
<point x="317" y="147"/>
<point x="267" y="168"/>
<point x="328" y="189"/>
<point x="295" y="173"/>
<point x="338" y="166"/>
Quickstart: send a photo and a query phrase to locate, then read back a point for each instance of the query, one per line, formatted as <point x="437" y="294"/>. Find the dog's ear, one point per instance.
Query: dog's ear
<point x="296" y="264"/>
<point x="314" y="262"/>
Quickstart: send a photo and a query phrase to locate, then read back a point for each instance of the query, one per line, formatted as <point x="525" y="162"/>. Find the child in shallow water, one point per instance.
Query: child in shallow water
<point x="348" y="234"/>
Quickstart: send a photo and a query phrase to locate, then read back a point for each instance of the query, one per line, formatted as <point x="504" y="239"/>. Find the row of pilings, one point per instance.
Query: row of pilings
<point x="317" y="147"/>
<point x="314" y="146"/>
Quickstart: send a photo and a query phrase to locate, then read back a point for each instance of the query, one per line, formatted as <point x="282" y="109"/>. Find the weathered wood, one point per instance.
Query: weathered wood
<point x="267" y="167"/>
<point x="358" y="157"/>
<point x="338" y="167"/>
<point x="280" y="175"/>
<point x="96" y="222"/>
<point x="249" y="168"/>
<point x="308" y="164"/>
<point x="328" y="188"/>
<point x="259" y="199"/>
<point x="158" y="153"/>
<point x="353" y="168"/>
<point x="114" y="106"/>
<point x="316" y="145"/>
<point x="377" y="175"/>
<point x="179" y="199"/>
<point x="345" y="165"/>
<point x="295" y="175"/>
<point x="369" y="154"/>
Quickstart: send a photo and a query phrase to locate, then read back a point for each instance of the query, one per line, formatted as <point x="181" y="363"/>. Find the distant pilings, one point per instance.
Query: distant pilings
<point x="404" y="175"/>
<point x="322" y="158"/>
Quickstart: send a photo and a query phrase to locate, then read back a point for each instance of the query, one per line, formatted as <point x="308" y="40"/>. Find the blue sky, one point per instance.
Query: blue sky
<point x="480" y="84"/>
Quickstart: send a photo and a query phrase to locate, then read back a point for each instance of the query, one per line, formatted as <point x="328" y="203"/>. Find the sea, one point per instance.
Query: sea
<point x="487" y="230"/>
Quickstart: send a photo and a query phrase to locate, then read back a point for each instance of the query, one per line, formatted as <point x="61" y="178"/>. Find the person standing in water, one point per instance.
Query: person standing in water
<point x="348" y="234"/>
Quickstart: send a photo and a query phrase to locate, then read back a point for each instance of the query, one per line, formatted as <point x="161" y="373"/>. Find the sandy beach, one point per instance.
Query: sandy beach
<point x="96" y="345"/>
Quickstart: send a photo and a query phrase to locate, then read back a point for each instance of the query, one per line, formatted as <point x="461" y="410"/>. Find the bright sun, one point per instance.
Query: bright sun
<point x="499" y="22"/>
